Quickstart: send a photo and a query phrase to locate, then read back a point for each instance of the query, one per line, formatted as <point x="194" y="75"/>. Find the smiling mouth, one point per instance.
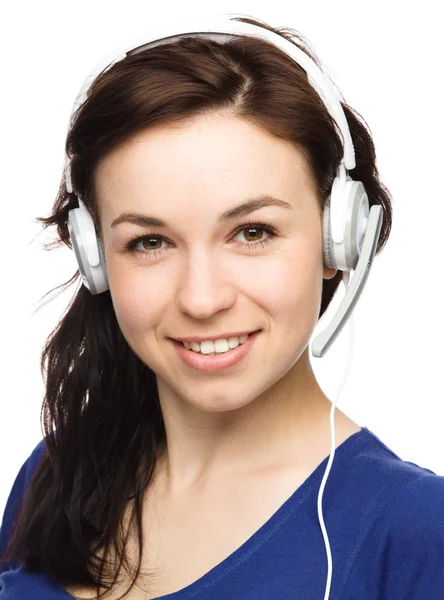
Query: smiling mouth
<point x="213" y="338"/>
<point x="215" y="361"/>
<point x="199" y="350"/>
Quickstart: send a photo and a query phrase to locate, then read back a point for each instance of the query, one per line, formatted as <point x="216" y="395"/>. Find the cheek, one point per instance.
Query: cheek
<point x="292" y="283"/>
<point x="292" y="295"/>
<point x="137" y="302"/>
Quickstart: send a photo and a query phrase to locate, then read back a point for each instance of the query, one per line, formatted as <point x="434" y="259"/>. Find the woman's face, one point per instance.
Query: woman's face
<point x="199" y="277"/>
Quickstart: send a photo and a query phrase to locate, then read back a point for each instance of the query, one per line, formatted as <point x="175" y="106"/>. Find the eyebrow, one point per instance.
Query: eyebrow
<point x="243" y="209"/>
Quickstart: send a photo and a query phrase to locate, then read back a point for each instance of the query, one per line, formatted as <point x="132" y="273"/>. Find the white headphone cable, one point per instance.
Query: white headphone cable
<point x="346" y="279"/>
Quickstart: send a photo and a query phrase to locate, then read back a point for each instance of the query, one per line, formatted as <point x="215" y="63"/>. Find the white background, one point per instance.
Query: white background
<point x="386" y="58"/>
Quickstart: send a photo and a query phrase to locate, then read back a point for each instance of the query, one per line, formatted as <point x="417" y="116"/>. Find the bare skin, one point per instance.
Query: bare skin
<point x="260" y="428"/>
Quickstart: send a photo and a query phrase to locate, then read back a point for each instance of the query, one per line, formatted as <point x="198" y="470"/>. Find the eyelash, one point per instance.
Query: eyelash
<point x="131" y="244"/>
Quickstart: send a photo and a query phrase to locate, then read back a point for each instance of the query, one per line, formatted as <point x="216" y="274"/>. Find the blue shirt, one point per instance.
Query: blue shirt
<point x="384" y="518"/>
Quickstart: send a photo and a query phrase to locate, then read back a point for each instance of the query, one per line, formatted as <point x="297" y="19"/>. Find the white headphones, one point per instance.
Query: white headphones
<point x="350" y="231"/>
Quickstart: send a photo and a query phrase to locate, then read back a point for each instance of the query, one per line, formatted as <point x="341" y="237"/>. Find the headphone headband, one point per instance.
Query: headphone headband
<point x="220" y="28"/>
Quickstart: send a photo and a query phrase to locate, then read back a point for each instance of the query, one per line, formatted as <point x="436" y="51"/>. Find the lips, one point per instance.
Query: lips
<point x="218" y="362"/>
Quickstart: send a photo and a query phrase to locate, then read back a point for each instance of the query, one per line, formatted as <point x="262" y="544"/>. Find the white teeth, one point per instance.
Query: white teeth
<point x="216" y="347"/>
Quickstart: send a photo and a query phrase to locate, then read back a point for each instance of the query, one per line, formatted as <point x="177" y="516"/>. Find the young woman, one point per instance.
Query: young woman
<point x="185" y="432"/>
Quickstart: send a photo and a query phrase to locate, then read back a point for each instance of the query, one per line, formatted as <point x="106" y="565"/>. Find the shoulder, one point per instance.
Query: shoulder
<point x="30" y="465"/>
<point x="17" y="492"/>
<point x="416" y="514"/>
<point x="401" y="554"/>
<point x="36" y="455"/>
<point x="413" y="540"/>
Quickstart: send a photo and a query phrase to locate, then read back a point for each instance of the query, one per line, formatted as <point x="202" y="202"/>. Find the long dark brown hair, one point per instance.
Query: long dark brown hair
<point x="101" y="399"/>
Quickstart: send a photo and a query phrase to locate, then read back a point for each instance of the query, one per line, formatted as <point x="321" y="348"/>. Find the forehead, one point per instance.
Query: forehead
<point x="212" y="159"/>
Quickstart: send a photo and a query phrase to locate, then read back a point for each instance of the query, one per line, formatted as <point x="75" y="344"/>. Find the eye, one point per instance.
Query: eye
<point x="251" y="228"/>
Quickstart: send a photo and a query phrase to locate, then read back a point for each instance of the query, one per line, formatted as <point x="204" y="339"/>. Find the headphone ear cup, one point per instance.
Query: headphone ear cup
<point x="88" y="251"/>
<point x="104" y="273"/>
<point x="78" y="247"/>
<point x="347" y="209"/>
<point x="327" y="241"/>
<point x="357" y="210"/>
